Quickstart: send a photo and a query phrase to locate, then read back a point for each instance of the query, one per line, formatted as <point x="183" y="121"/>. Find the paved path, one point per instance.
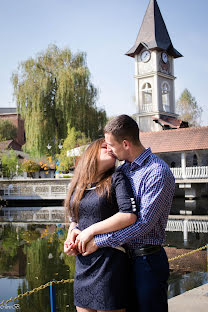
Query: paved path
<point x="195" y="300"/>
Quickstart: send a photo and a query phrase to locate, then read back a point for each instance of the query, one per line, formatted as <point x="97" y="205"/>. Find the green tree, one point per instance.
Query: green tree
<point x="9" y="249"/>
<point x="73" y="139"/>
<point x="188" y="109"/>
<point x="7" y="130"/>
<point x="9" y="162"/>
<point x="54" y="93"/>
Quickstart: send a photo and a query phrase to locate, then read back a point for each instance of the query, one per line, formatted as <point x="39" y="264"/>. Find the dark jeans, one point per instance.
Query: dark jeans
<point x="150" y="276"/>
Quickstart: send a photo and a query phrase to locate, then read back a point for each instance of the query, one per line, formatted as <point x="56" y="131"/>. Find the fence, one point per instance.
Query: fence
<point x="191" y="172"/>
<point x="195" y="226"/>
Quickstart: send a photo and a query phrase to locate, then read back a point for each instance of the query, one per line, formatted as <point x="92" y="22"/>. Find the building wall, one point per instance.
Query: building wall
<point x="175" y="157"/>
<point x="18" y="123"/>
<point x="146" y="123"/>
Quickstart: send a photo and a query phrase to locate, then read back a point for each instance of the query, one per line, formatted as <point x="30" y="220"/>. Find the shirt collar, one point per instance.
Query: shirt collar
<point x="140" y="159"/>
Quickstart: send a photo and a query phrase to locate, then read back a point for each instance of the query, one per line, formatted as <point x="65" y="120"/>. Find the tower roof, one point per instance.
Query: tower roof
<point x="153" y="33"/>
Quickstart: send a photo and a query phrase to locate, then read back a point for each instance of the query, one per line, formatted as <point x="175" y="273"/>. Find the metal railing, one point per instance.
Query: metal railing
<point x="198" y="172"/>
<point x="147" y="108"/>
<point x="194" y="226"/>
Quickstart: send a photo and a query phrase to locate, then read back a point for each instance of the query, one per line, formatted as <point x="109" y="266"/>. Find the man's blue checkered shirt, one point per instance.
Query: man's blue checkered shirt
<point x="153" y="184"/>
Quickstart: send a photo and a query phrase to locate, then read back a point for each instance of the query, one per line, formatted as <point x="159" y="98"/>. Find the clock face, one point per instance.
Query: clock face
<point x="145" y="56"/>
<point x="164" y="57"/>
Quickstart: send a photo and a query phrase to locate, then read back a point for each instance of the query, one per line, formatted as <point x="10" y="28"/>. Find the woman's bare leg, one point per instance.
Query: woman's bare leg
<point x="85" y="310"/>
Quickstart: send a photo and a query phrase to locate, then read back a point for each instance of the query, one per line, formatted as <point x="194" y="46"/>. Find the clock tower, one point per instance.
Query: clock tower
<point x="154" y="56"/>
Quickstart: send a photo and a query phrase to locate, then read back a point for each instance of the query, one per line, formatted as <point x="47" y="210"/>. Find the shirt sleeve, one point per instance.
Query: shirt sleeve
<point x="123" y="193"/>
<point x="155" y="202"/>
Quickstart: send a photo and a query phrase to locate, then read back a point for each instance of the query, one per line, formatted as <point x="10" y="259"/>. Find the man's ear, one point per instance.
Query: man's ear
<point x="126" y="144"/>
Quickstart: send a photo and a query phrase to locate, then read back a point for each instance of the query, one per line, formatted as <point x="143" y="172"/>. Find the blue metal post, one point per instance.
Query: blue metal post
<point x="207" y="263"/>
<point x="53" y="297"/>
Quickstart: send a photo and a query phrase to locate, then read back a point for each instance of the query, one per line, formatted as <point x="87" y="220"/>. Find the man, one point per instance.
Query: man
<point x="153" y="185"/>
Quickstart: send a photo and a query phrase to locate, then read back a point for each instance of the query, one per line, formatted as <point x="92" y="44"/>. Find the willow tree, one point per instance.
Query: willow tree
<point x="54" y="93"/>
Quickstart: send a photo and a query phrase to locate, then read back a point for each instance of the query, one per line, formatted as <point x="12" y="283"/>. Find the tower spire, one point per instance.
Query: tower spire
<point x="153" y="33"/>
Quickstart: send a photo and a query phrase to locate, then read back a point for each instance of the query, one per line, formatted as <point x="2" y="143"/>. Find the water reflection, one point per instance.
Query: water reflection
<point x="32" y="255"/>
<point x="26" y="253"/>
<point x="182" y="206"/>
<point x="179" y="283"/>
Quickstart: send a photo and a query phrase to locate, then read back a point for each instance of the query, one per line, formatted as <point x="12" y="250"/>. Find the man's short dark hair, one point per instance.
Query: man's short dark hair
<point x="123" y="127"/>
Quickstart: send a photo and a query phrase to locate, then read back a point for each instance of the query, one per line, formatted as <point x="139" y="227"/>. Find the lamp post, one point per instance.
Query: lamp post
<point x="17" y="168"/>
<point x="60" y="146"/>
<point x="49" y="147"/>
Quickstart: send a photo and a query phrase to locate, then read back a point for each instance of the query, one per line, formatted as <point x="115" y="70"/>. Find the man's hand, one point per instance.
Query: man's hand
<point x="90" y="247"/>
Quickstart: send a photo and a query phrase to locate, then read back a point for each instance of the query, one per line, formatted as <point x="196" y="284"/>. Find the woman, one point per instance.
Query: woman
<point x="100" y="200"/>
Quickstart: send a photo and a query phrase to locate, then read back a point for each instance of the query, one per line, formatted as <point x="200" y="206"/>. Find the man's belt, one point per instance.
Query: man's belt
<point x="143" y="251"/>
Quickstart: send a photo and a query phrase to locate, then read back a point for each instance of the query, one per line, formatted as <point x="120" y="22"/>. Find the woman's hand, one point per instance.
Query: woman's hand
<point x="83" y="238"/>
<point x="69" y="245"/>
<point x="70" y="249"/>
<point x="73" y="235"/>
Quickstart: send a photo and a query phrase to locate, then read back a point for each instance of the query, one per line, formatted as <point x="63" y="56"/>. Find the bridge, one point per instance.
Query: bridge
<point x="33" y="214"/>
<point x="35" y="189"/>
<point x="192" y="180"/>
<point x="176" y="223"/>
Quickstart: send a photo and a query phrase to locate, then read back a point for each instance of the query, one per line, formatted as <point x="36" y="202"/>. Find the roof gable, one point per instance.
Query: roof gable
<point x="153" y="33"/>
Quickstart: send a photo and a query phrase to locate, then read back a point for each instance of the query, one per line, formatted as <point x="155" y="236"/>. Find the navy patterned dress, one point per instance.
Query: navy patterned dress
<point x="101" y="279"/>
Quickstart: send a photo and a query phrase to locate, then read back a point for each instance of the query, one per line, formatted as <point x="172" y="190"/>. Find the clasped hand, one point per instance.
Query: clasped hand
<point x="80" y="242"/>
<point x="69" y="245"/>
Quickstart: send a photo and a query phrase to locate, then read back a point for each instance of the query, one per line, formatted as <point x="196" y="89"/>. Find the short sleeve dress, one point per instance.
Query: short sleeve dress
<point x="101" y="279"/>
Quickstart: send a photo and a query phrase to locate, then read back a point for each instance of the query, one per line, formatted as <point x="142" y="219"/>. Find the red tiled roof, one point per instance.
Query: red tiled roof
<point x="175" y="140"/>
<point x="173" y="123"/>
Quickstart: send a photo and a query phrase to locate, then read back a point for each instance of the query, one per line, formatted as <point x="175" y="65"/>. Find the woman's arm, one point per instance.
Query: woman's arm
<point x="121" y="193"/>
<point x="72" y="225"/>
<point x="116" y="222"/>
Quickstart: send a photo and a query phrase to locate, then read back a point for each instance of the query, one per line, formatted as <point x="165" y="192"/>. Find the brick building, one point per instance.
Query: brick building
<point x="12" y="115"/>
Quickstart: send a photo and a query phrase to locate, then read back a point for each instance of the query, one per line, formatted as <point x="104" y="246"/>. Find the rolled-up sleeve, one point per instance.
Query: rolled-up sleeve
<point x="123" y="193"/>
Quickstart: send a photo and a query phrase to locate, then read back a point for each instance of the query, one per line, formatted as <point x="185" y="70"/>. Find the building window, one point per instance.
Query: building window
<point x="172" y="165"/>
<point x="147" y="97"/>
<point x="165" y="97"/>
<point x="195" y="160"/>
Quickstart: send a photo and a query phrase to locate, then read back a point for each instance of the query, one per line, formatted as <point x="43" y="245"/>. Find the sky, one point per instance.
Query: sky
<point x="105" y="30"/>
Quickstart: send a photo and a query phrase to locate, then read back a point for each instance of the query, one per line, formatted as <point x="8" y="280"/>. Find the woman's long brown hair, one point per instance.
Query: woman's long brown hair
<point x="86" y="173"/>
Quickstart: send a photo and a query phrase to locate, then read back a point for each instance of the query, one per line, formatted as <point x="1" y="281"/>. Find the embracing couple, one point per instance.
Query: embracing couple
<point x="118" y="221"/>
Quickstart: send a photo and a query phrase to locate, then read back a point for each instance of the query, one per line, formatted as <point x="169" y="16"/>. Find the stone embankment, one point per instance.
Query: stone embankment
<point x="191" y="301"/>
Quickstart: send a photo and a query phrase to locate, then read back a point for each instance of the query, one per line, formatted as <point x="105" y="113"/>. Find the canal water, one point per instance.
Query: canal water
<point x="32" y="254"/>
